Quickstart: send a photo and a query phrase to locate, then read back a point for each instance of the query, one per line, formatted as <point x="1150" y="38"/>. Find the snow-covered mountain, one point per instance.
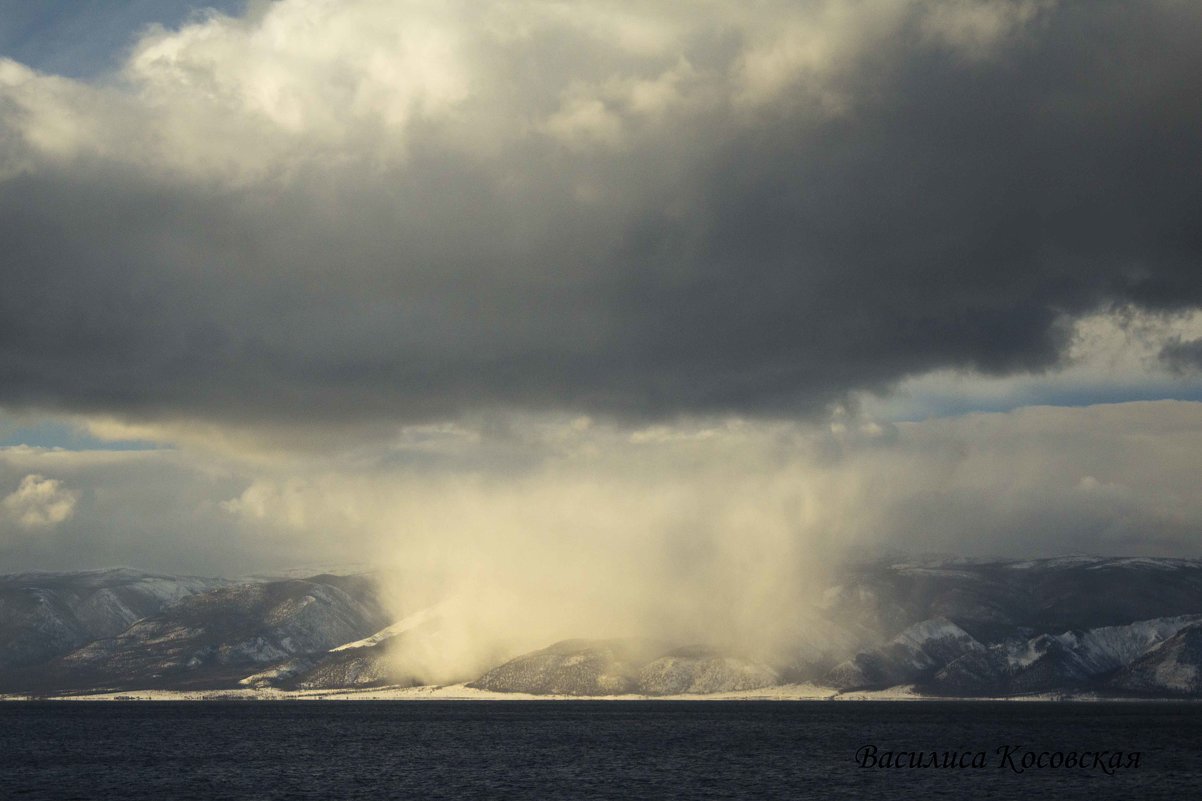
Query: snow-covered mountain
<point x="44" y="615"/>
<point x="1069" y="660"/>
<point x="909" y="657"/>
<point x="1172" y="668"/>
<point x="574" y="667"/>
<point x="216" y="638"/>
<point x="365" y="662"/>
<point x="701" y="671"/>
<point x="990" y="598"/>
<point x="616" y="667"/>
<point x="943" y="627"/>
<point x="966" y="628"/>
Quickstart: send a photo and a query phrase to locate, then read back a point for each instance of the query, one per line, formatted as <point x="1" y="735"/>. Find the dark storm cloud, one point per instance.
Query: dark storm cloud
<point x="1181" y="355"/>
<point x="955" y="210"/>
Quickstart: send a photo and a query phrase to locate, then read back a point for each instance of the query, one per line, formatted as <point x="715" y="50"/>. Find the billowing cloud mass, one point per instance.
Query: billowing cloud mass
<point x="540" y="530"/>
<point x="410" y="211"/>
<point x="39" y="502"/>
<point x="655" y="309"/>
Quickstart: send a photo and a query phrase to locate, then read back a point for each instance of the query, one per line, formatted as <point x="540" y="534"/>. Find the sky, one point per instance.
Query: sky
<point x="610" y="302"/>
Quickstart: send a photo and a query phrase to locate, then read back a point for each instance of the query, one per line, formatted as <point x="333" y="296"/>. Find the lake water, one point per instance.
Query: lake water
<point x="589" y="750"/>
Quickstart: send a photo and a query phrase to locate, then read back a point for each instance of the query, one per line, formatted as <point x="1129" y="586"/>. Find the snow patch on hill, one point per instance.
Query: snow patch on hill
<point x="414" y="621"/>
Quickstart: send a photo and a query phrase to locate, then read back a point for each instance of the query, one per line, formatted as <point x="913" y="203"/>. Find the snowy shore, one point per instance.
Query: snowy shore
<point x="461" y="692"/>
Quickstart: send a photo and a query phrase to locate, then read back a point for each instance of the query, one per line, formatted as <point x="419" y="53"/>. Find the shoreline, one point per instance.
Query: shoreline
<point x="461" y="692"/>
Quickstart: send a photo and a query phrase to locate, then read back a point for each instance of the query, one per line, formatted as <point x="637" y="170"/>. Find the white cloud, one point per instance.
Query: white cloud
<point x="39" y="502"/>
<point x="324" y="81"/>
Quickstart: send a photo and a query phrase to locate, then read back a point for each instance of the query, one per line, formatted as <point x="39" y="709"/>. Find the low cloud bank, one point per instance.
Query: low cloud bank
<point x="533" y="530"/>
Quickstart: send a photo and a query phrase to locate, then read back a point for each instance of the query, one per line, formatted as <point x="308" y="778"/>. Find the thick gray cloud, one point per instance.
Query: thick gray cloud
<point x="1183" y="355"/>
<point x="678" y="211"/>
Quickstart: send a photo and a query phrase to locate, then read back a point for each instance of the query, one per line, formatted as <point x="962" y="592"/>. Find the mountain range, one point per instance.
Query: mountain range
<point x="1124" y="627"/>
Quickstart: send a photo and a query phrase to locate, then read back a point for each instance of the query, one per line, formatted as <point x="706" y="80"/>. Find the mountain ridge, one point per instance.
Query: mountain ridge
<point x="1113" y="626"/>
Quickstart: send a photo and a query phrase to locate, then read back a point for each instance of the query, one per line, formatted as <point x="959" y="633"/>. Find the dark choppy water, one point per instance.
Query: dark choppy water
<point x="579" y="750"/>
